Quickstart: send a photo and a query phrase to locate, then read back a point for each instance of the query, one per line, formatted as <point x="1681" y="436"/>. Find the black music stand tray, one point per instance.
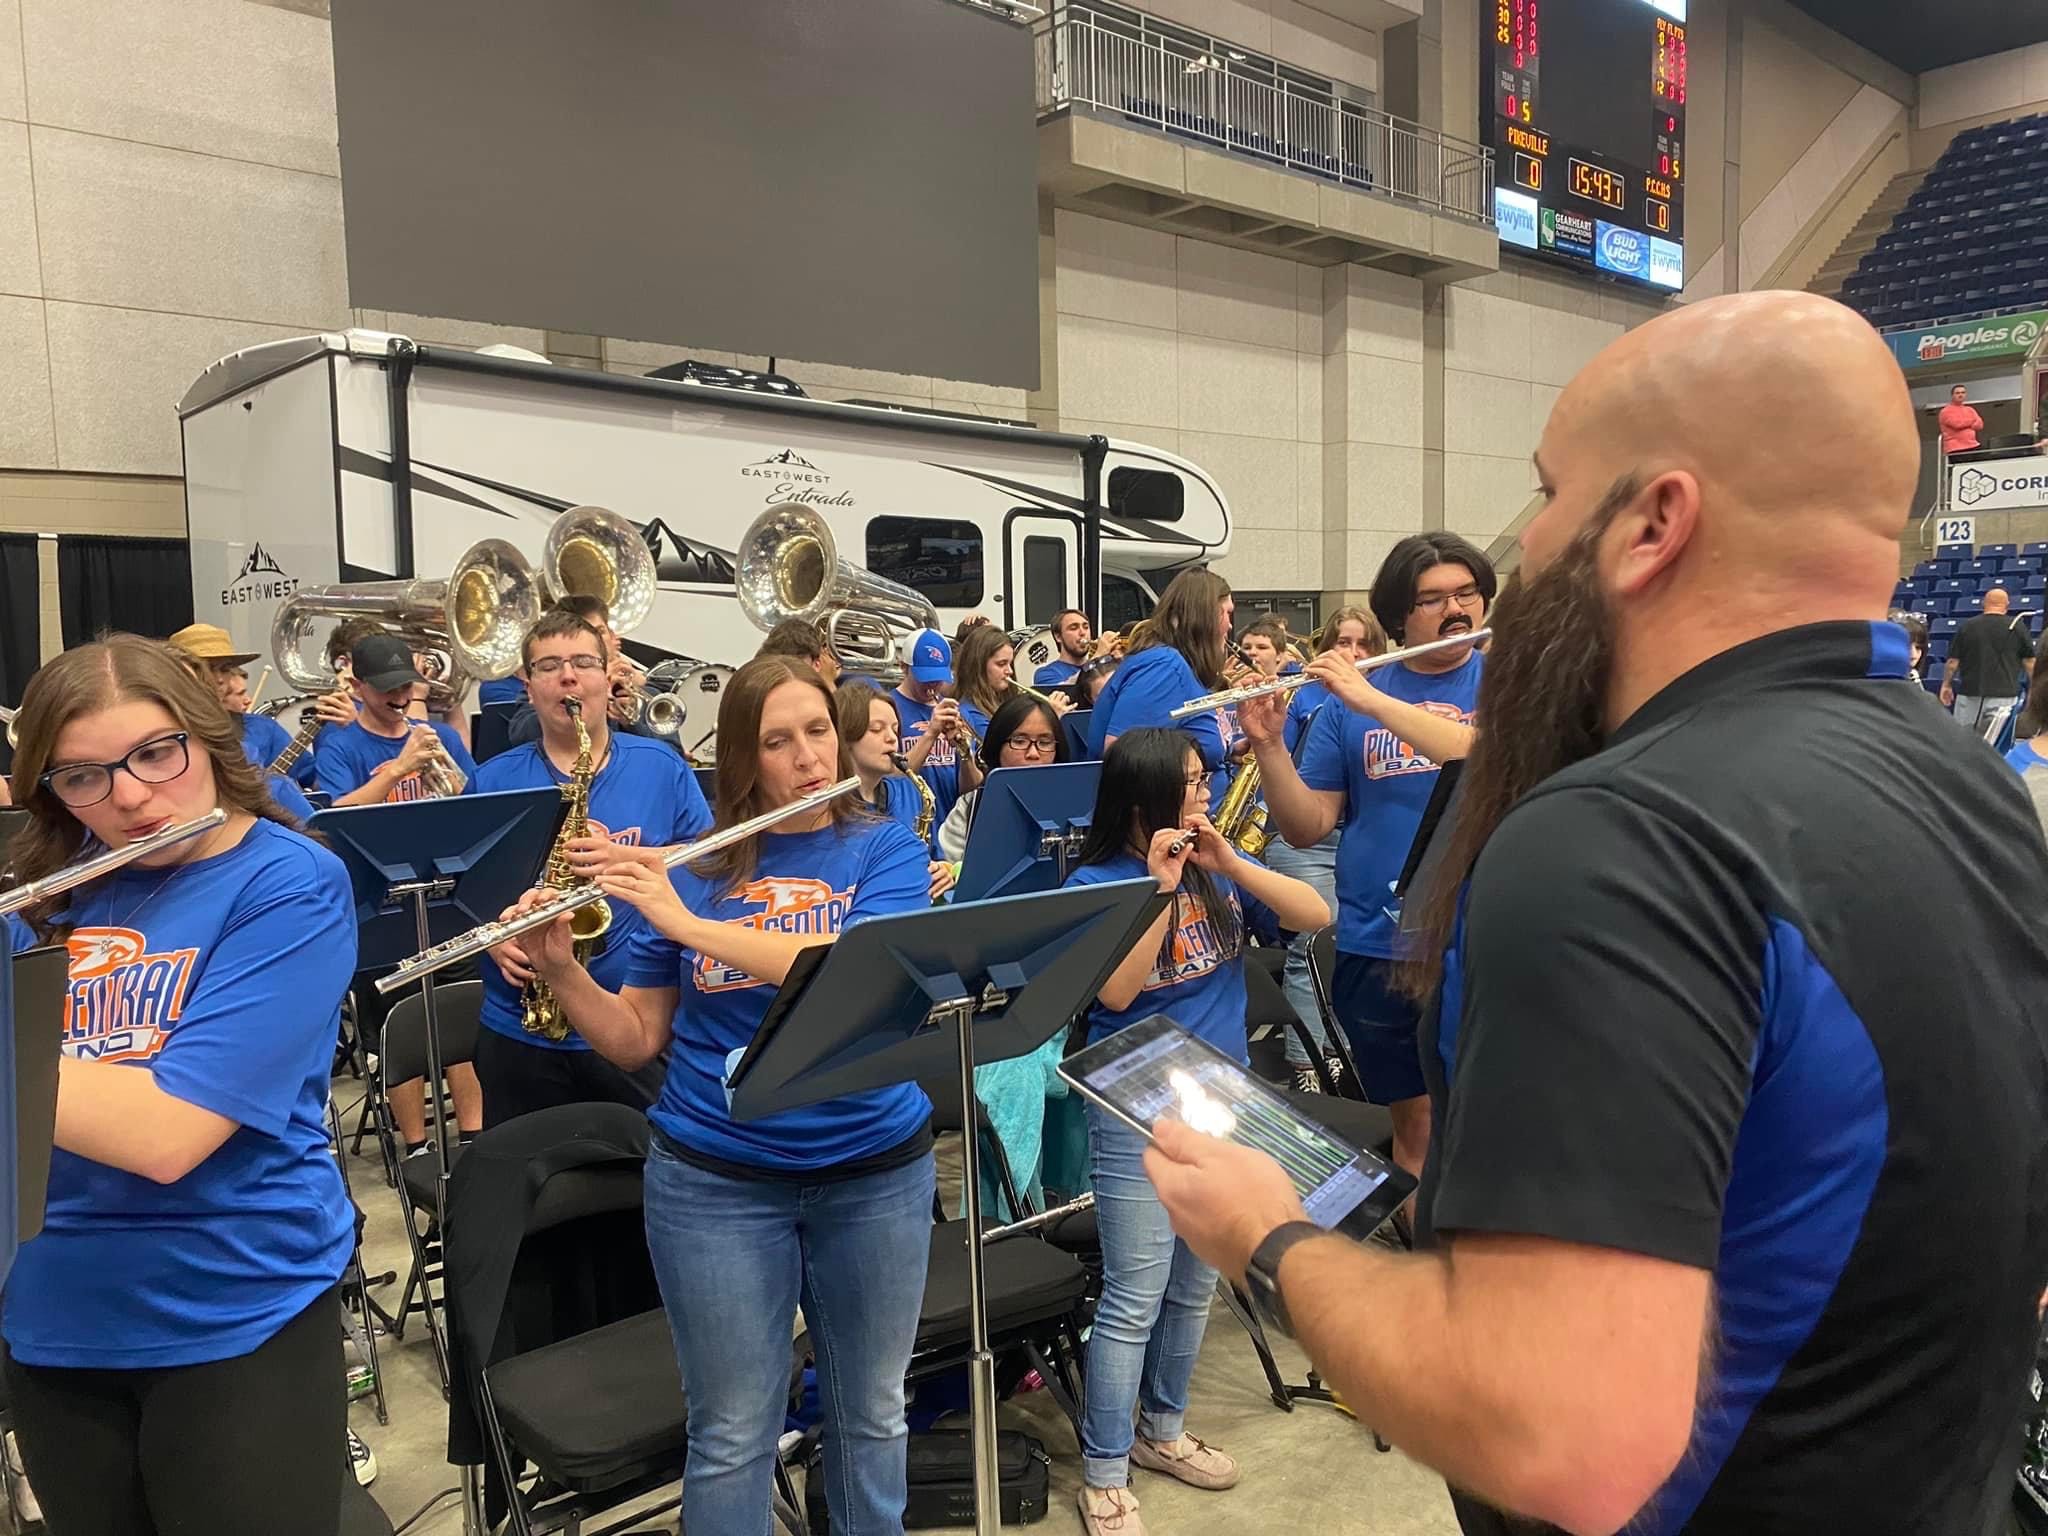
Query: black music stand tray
<point x="32" y="989"/>
<point x="1028" y="828"/>
<point x="912" y="996"/>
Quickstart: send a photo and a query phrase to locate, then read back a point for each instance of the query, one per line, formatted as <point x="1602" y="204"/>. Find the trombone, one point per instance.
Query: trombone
<point x="1230" y="697"/>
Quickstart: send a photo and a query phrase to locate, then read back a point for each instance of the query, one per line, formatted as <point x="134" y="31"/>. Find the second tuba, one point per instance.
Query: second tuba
<point x="788" y="567"/>
<point x="592" y="552"/>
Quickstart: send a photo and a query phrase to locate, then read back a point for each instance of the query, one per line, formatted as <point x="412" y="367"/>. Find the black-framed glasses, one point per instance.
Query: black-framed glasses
<point x="157" y="761"/>
<point x="1464" y="597"/>
<point x="548" y="666"/>
<point x="1045" y="746"/>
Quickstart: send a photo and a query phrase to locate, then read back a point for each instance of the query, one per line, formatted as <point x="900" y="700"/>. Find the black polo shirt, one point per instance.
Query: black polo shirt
<point x="1989" y="653"/>
<point x="1762" y="989"/>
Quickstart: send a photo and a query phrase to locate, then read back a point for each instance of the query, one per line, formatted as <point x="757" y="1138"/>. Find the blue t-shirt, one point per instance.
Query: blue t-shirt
<point x="2023" y="756"/>
<point x="1386" y="785"/>
<point x="263" y="739"/>
<point x="646" y="797"/>
<point x="347" y="755"/>
<point x="804" y="883"/>
<point x="502" y="690"/>
<point x="1056" y="673"/>
<point x="901" y="802"/>
<point x="224" y="978"/>
<point x="942" y="765"/>
<point x="1301" y="708"/>
<point x="1201" y="988"/>
<point x="1144" y="691"/>
<point x="289" y="796"/>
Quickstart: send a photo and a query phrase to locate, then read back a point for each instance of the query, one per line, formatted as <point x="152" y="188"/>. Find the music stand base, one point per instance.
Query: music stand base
<point x="981" y="1361"/>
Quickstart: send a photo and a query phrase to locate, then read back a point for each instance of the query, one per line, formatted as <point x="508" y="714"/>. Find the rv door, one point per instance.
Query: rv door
<point x="1041" y="566"/>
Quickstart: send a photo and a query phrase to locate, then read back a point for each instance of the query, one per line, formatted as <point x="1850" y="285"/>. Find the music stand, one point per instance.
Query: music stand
<point x="907" y="997"/>
<point x="1028" y="827"/>
<point x="32" y="989"/>
<point x="1074" y="726"/>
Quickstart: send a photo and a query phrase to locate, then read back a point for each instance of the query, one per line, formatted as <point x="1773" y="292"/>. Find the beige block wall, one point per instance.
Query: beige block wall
<point x="1311" y="36"/>
<point x="1987" y="90"/>
<point x="1788" y="98"/>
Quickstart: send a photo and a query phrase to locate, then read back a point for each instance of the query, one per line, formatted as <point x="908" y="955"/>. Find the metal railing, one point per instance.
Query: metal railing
<point x="1196" y="94"/>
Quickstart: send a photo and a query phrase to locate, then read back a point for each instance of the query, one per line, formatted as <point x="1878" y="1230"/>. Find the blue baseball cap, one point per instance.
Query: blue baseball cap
<point x="931" y="657"/>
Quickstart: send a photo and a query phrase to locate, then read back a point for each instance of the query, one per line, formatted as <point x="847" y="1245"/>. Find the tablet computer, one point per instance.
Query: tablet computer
<point x="1156" y="1068"/>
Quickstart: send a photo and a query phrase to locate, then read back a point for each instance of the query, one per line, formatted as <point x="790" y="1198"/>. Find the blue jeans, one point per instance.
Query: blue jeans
<point x="734" y="1258"/>
<point x="1315" y="867"/>
<point x="1154" y="1308"/>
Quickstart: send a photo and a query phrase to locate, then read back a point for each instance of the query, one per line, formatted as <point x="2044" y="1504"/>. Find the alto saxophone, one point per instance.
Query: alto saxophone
<point x="540" y="1009"/>
<point x="928" y="803"/>
<point x="1242" y="819"/>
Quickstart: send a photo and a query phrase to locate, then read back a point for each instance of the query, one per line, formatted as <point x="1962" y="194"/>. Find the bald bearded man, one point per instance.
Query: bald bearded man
<point x="1737" y="1187"/>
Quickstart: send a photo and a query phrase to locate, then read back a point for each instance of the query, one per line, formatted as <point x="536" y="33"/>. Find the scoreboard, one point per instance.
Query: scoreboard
<point x="1583" y="104"/>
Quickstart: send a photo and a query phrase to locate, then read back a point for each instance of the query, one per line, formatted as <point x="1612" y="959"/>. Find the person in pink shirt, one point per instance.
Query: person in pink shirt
<point x="1959" y="422"/>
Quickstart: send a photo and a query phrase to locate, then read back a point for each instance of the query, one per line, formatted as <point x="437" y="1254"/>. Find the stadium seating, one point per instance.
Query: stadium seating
<point x="1972" y="240"/>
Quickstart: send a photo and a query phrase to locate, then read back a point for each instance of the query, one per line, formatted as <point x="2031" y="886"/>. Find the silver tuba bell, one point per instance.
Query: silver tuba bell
<point x="8" y="715"/>
<point x="592" y="552"/>
<point x="478" y="616"/>
<point x="788" y="567"/>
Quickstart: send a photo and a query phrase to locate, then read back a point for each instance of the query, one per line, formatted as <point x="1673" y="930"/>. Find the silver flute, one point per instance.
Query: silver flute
<point x="1294" y="680"/>
<point x="106" y="863"/>
<point x="489" y="935"/>
<point x="1042" y="1219"/>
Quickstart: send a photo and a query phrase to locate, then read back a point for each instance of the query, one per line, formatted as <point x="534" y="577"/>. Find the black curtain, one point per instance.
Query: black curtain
<point x="21" y="609"/>
<point x="143" y="586"/>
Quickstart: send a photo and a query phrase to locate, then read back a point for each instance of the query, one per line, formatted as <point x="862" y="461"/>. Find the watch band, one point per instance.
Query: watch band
<point x="1262" y="1274"/>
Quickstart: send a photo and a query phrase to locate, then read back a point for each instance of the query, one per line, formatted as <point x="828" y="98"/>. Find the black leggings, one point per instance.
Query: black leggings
<point x="254" y="1446"/>
<point x="518" y="1079"/>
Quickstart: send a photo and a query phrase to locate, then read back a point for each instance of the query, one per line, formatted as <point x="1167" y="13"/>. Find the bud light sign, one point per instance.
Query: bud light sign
<point x="1624" y="252"/>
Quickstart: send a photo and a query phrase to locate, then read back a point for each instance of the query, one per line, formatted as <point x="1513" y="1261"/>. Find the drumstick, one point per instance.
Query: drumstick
<point x="262" y="682"/>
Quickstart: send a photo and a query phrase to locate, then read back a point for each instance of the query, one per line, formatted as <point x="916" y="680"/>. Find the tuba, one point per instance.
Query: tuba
<point x="8" y="716"/>
<point x="592" y="552"/>
<point x="788" y="567"/>
<point x="478" y="616"/>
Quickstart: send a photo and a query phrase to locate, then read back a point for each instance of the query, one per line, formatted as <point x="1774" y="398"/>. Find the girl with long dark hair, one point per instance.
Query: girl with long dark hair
<point x="1179" y="654"/>
<point x="1025" y="733"/>
<point x="827" y="1207"/>
<point x="174" y="1356"/>
<point x="1188" y="965"/>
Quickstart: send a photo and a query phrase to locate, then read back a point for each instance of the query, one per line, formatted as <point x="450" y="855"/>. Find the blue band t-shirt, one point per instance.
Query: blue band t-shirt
<point x="1194" y="982"/>
<point x="942" y="764"/>
<point x="1386" y="785"/>
<point x="264" y="740"/>
<point x="224" y="979"/>
<point x="347" y="755"/>
<point x="805" y="883"/>
<point x="646" y="797"/>
<point x="1056" y="673"/>
<point x="1144" y="691"/>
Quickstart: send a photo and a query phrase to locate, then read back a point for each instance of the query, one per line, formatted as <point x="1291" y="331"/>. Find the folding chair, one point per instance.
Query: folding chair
<point x="355" y="1282"/>
<point x="1322" y="971"/>
<point x="1036" y="1294"/>
<point x="403" y="1058"/>
<point x="564" y="1358"/>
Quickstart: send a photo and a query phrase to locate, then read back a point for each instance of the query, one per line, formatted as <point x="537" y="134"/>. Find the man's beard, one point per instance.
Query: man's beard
<point x="1541" y="706"/>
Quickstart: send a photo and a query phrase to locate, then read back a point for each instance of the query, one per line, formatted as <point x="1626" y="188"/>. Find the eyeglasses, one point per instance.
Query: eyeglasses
<point x="1197" y="780"/>
<point x="1464" y="597"/>
<point x="157" y="761"/>
<point x="548" y="666"/>
<point x="1043" y="745"/>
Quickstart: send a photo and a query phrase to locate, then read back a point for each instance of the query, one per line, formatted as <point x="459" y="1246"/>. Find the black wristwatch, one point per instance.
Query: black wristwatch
<point x="1262" y="1275"/>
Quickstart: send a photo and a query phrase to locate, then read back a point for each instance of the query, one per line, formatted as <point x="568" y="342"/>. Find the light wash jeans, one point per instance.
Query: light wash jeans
<point x="1154" y="1308"/>
<point x="734" y="1258"/>
<point x="1315" y="867"/>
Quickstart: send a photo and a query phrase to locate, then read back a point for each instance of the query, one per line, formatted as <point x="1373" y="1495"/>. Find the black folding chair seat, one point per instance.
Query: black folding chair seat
<point x="1363" y="1125"/>
<point x="1029" y="1282"/>
<point x="1075" y="1233"/>
<point x="599" y="1408"/>
<point x="416" y="1175"/>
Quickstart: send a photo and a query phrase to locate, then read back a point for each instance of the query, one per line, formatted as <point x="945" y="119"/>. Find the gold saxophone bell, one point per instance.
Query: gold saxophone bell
<point x="540" y="1009"/>
<point x="1242" y="819"/>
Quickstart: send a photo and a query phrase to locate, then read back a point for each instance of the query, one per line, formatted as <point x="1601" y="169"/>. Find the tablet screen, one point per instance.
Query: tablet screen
<point x="1172" y="1073"/>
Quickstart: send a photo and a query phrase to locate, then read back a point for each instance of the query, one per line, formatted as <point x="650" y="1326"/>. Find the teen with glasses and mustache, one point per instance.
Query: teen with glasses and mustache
<point x="1370" y="762"/>
<point x="173" y="1359"/>
<point x="1702" y="1077"/>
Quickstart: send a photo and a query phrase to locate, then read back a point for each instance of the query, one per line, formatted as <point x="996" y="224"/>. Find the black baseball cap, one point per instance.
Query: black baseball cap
<point x="383" y="662"/>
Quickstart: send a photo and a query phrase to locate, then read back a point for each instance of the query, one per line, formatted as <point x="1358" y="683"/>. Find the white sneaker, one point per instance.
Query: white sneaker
<point x="362" y="1460"/>
<point x="27" y="1511"/>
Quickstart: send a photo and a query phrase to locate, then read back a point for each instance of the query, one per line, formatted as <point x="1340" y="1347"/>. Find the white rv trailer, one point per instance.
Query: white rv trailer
<point x="363" y="456"/>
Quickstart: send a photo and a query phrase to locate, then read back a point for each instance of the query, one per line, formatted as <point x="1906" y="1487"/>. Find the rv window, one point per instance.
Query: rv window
<point x="1154" y="495"/>
<point x="940" y="558"/>
<point x="1045" y="579"/>
<point x="1124" y="602"/>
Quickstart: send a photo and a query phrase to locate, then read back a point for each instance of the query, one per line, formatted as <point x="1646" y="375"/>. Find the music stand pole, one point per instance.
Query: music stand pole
<point x="422" y="892"/>
<point x="981" y="1362"/>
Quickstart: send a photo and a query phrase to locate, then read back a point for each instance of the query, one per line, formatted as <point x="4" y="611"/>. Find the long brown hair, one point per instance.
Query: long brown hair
<point x="1186" y="620"/>
<point x="1375" y="633"/>
<point x="739" y="760"/>
<point x="970" y="667"/>
<point x="117" y="669"/>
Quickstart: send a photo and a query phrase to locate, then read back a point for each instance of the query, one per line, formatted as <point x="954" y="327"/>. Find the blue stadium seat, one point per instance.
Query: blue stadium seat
<point x="1956" y="586"/>
<point x="2019" y="565"/>
<point x="1977" y="568"/>
<point x="1955" y="552"/>
<point x="1932" y="568"/>
<point x="1944" y="626"/>
<point x="2038" y="547"/>
<point x="1985" y="551"/>
<point x="1924" y="585"/>
<point x="1934" y="605"/>
<point x="2038" y="582"/>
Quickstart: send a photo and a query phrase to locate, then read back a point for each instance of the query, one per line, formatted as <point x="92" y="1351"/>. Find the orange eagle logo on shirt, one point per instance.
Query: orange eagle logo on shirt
<point x="122" y="1000"/>
<point x="789" y="904"/>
